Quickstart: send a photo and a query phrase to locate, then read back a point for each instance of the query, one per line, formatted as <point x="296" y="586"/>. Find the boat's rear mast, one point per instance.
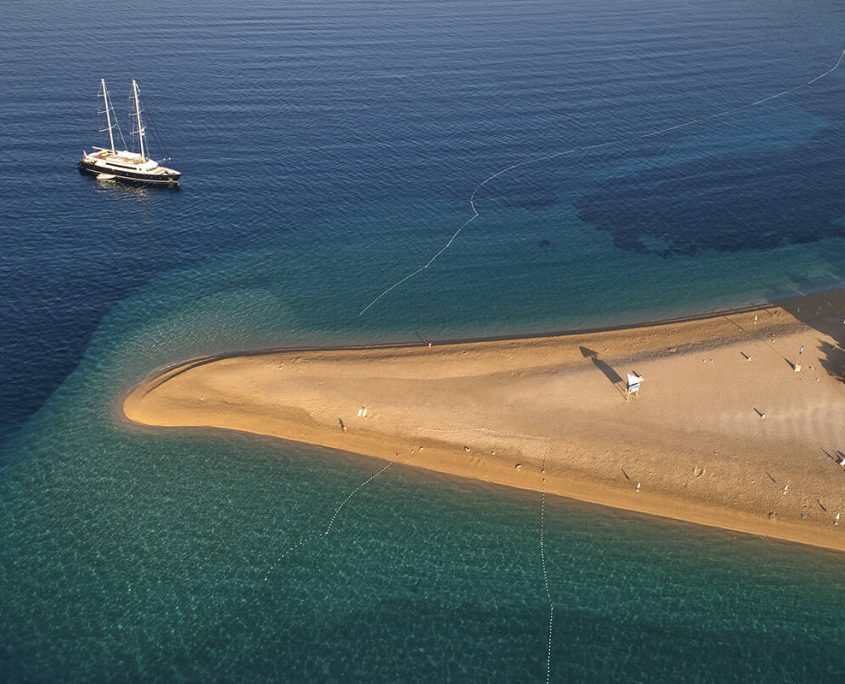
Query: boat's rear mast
<point x="138" y="123"/>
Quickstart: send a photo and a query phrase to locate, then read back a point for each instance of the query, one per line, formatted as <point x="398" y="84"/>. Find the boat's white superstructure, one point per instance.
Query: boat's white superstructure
<point x="125" y="165"/>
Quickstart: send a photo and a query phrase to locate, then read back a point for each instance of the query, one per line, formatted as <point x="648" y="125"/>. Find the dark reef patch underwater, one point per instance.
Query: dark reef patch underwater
<point x="730" y="203"/>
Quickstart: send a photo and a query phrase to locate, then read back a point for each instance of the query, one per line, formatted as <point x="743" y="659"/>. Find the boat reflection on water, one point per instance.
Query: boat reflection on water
<point x="115" y="186"/>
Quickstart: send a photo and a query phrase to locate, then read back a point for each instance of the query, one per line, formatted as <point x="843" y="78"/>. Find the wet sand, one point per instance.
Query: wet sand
<point x="725" y="432"/>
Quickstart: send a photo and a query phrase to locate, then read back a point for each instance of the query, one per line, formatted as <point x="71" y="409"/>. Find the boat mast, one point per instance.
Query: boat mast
<point x="108" y="113"/>
<point x="138" y="118"/>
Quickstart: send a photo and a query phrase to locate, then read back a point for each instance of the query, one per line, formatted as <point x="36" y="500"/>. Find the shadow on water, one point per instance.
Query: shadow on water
<point x="128" y="188"/>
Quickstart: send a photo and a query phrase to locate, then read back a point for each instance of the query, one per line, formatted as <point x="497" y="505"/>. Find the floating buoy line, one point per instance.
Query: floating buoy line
<point x="542" y="519"/>
<point x="315" y="536"/>
<point x="586" y="148"/>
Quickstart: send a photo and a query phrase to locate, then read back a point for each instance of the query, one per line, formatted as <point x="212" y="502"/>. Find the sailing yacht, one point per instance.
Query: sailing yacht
<point x="135" y="167"/>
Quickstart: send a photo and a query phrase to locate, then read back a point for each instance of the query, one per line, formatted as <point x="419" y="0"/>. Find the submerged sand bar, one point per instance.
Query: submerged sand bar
<point x="724" y="432"/>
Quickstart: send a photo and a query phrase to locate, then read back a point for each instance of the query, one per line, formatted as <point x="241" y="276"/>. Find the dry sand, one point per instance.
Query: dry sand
<point x="725" y="432"/>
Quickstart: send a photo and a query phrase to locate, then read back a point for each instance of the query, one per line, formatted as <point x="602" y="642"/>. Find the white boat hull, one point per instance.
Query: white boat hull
<point x="157" y="176"/>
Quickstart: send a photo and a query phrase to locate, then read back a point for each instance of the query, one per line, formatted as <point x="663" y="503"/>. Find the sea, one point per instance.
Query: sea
<point x="628" y="161"/>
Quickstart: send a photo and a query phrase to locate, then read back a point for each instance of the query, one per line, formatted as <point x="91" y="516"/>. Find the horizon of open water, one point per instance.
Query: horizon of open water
<point x="329" y="149"/>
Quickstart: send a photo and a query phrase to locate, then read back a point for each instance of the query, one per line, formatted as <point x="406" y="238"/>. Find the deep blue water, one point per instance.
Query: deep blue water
<point x="328" y="150"/>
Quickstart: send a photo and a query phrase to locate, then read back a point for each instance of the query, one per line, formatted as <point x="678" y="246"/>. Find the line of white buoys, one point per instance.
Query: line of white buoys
<point x="543" y="561"/>
<point x="353" y="493"/>
<point x="308" y="538"/>
<point x="584" y="148"/>
<point x="549" y="651"/>
<point x="294" y="547"/>
<point x="543" y="462"/>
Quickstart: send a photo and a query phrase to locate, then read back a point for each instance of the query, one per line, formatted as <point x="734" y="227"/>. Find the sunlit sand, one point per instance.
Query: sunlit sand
<point x="739" y="424"/>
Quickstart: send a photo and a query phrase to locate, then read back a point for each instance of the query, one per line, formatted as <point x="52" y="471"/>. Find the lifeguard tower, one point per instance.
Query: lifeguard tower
<point x="632" y="386"/>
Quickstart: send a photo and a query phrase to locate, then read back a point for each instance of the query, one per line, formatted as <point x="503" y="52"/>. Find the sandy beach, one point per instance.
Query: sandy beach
<point x="725" y="432"/>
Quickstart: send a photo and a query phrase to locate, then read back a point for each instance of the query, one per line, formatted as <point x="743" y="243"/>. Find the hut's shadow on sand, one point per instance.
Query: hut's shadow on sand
<point x="604" y="367"/>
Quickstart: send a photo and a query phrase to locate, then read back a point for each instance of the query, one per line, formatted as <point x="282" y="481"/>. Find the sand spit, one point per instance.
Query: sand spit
<point x="740" y="422"/>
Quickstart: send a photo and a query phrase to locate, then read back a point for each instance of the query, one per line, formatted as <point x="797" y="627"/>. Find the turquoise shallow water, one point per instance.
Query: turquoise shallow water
<point x="359" y="131"/>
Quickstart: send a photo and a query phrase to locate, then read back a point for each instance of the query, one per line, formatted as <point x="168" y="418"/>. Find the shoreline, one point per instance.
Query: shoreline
<point x="546" y="413"/>
<point x="506" y="337"/>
